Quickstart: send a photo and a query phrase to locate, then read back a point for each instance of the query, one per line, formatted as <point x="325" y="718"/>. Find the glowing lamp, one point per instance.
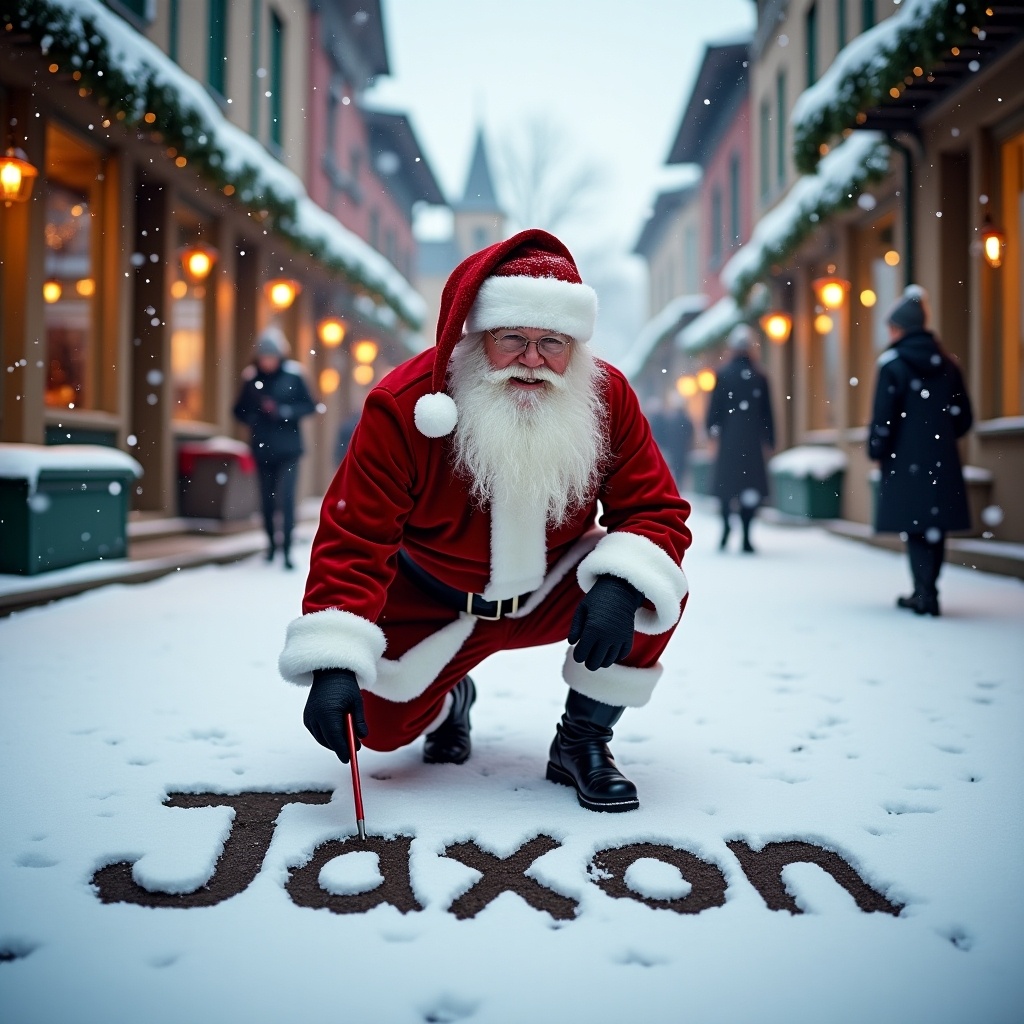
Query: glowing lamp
<point x="86" y="287"/>
<point x="687" y="386"/>
<point x="823" y="323"/>
<point x="282" y="292"/>
<point x="52" y="291"/>
<point x="993" y="242"/>
<point x="17" y="176"/>
<point x="197" y="261"/>
<point x="892" y="257"/>
<point x="868" y="297"/>
<point x="365" y="351"/>
<point x="363" y="374"/>
<point x="777" y="326"/>
<point x="706" y="380"/>
<point x="329" y="380"/>
<point x="331" y="332"/>
<point x="831" y="291"/>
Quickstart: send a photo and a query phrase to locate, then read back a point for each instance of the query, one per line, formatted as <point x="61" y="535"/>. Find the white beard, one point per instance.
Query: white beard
<point x="529" y="449"/>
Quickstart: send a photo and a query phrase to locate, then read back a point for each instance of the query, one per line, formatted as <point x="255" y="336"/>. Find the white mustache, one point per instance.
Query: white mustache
<point x="543" y="373"/>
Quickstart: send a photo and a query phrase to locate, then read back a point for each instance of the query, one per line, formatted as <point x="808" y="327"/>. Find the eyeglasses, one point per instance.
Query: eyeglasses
<point x="514" y="344"/>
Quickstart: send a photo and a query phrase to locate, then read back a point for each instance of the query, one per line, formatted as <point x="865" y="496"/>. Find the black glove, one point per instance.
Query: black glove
<point x="602" y="628"/>
<point x="333" y="695"/>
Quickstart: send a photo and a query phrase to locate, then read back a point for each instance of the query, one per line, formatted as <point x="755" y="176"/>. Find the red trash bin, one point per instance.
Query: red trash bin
<point x="217" y="479"/>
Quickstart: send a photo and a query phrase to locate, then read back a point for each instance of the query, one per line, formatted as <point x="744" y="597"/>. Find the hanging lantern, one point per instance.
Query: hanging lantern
<point x="823" y="323"/>
<point x="329" y="380"/>
<point x="831" y="291"/>
<point x="197" y="261"/>
<point x="365" y="351"/>
<point x="993" y="241"/>
<point x="776" y="326"/>
<point x="282" y="292"/>
<point x="362" y="374"/>
<point x="17" y="176"/>
<point x="706" y="380"/>
<point x="687" y="386"/>
<point x="331" y="332"/>
<point x="52" y="291"/>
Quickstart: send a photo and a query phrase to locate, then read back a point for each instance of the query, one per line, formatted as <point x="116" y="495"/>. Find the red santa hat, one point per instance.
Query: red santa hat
<point x="529" y="280"/>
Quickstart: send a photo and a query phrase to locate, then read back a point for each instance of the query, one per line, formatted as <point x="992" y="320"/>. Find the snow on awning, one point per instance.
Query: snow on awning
<point x="714" y="324"/>
<point x="918" y="35"/>
<point x="137" y="80"/>
<point x="841" y="176"/>
<point x="663" y="323"/>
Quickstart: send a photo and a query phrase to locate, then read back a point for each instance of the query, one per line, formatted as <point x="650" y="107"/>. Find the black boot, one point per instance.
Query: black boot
<point x="449" y="743"/>
<point x="580" y="756"/>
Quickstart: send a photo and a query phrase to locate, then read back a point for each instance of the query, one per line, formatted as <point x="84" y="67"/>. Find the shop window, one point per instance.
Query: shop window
<point x="72" y="273"/>
<point x="217" y="54"/>
<point x="1011" y="356"/>
<point x="840" y="24"/>
<point x="276" y="79"/>
<point x="190" y="314"/>
<point x="867" y="14"/>
<point x="811" y="35"/>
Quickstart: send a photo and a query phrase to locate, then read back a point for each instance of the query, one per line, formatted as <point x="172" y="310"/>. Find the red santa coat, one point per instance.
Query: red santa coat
<point x="397" y="488"/>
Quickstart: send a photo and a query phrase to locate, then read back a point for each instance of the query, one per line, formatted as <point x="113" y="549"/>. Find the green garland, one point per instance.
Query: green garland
<point x="923" y="44"/>
<point x="73" y="43"/>
<point x="833" y="199"/>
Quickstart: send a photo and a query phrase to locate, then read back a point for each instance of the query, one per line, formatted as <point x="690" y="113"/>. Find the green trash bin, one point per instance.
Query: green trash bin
<point x="808" y="481"/>
<point x="63" y="504"/>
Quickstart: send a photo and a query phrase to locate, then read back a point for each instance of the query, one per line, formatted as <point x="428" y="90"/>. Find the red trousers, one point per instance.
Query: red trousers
<point x="410" y="616"/>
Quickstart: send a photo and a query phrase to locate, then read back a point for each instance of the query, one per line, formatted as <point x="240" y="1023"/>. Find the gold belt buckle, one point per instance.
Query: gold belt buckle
<point x="491" y="618"/>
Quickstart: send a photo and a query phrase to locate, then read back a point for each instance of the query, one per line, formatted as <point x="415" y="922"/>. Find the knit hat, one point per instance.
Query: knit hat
<point x="272" y="342"/>
<point x="908" y="312"/>
<point x="528" y="280"/>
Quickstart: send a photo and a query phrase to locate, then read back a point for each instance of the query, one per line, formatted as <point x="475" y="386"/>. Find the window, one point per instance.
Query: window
<point x="480" y="238"/>
<point x="780" y="129"/>
<point x="188" y="321"/>
<point x="276" y="78"/>
<point x="255" y="59"/>
<point x="867" y="14"/>
<point x="173" y="13"/>
<point x="734" y="200"/>
<point x="373" y="230"/>
<point x="71" y="200"/>
<point x="764" y="154"/>
<point x="716" y="225"/>
<point x="691" y="273"/>
<point x="841" y="23"/>
<point x="1011" y="356"/>
<point x="811" y="42"/>
<point x="216" y="57"/>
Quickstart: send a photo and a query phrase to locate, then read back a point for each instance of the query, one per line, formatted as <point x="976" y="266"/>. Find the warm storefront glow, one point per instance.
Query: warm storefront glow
<point x="17" y="176"/>
<point x="329" y="380"/>
<point x="52" y="291"/>
<point x="85" y="286"/>
<point x="892" y="257"/>
<point x="365" y="351"/>
<point x="831" y="291"/>
<point x="687" y="386"/>
<point x="197" y="261"/>
<point x="331" y="332"/>
<point x="777" y="326"/>
<point x="868" y="297"/>
<point x="706" y="380"/>
<point x="823" y="323"/>
<point x="282" y="292"/>
<point x="363" y="374"/>
<point x="992" y="243"/>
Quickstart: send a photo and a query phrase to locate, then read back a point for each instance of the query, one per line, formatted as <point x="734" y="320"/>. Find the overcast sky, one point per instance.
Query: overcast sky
<point x="614" y="74"/>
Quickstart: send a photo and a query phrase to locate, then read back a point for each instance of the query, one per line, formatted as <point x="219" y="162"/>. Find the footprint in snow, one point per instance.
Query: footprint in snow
<point x="900" y="807"/>
<point x="34" y="859"/>
<point x="449" y="1008"/>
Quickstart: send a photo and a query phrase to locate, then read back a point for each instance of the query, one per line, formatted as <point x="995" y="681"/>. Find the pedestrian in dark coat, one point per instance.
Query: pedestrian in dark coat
<point x="740" y="417"/>
<point x="272" y="402"/>
<point x="921" y="408"/>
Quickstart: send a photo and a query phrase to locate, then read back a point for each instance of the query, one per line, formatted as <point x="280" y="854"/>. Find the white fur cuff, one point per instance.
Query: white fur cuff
<point x="641" y="562"/>
<point x="543" y="302"/>
<point x="331" y="639"/>
<point x="618" y="685"/>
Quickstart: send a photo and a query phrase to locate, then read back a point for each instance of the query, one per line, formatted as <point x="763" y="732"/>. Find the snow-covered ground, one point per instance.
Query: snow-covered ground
<point x="798" y="706"/>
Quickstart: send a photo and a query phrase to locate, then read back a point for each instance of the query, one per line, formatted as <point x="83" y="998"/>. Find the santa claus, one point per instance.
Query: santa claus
<point x="464" y="521"/>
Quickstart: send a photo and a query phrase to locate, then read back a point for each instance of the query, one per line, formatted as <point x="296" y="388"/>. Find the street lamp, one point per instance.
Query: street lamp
<point x="365" y="351"/>
<point x="777" y="326"/>
<point x="687" y="386"/>
<point x="706" y="380"/>
<point x="331" y="332"/>
<point x="17" y="176"/>
<point x="831" y="291"/>
<point x="282" y="292"/>
<point x="993" y="241"/>
<point x="52" y="291"/>
<point x="197" y="261"/>
<point x="362" y="374"/>
<point x="823" y="323"/>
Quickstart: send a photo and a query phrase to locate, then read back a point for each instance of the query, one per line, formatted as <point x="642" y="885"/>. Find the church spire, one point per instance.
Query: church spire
<point x="479" y="195"/>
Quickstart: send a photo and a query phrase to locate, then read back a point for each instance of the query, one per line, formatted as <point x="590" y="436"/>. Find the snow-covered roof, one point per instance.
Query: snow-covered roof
<point x="816" y="461"/>
<point x="27" y="461"/>
<point x="135" y="77"/>
<point x="917" y="35"/>
<point x="655" y="330"/>
<point x="840" y="177"/>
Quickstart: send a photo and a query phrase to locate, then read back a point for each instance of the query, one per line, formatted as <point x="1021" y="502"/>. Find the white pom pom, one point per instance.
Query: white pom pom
<point x="914" y="291"/>
<point x="435" y="415"/>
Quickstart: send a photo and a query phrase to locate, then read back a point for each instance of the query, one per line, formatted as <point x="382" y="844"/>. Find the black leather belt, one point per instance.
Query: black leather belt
<point x="460" y="600"/>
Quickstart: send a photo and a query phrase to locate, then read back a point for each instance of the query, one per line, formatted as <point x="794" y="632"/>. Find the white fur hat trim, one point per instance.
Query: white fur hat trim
<point x="543" y="302"/>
